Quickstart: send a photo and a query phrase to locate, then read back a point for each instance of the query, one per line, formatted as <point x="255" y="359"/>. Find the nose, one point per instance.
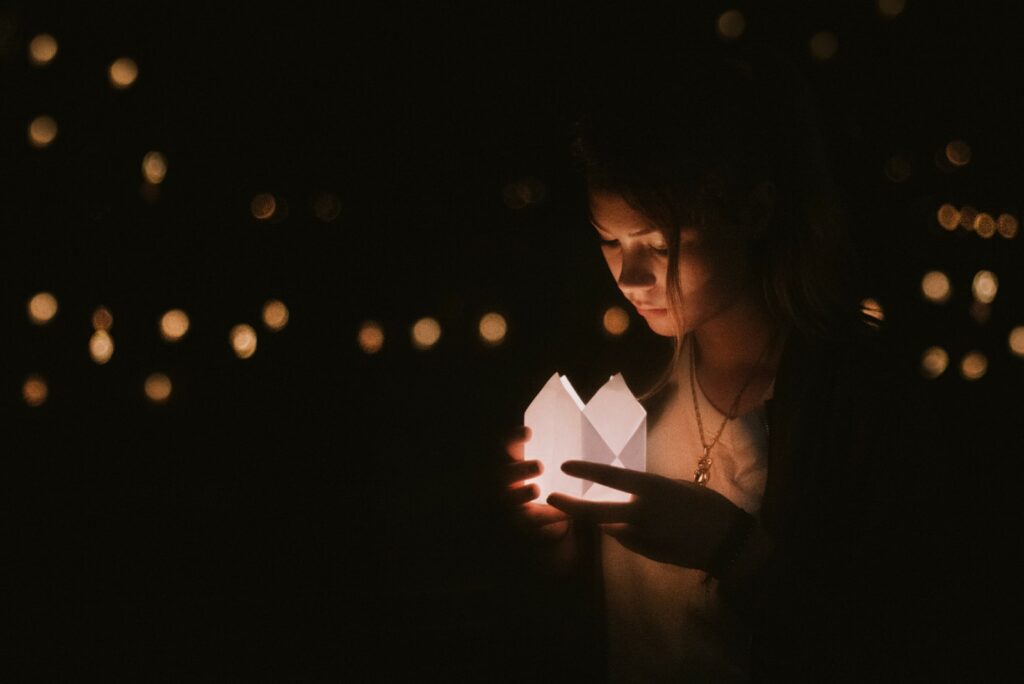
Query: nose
<point x="637" y="274"/>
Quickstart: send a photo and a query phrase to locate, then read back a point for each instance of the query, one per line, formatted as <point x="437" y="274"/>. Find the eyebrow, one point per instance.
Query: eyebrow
<point x="643" y="231"/>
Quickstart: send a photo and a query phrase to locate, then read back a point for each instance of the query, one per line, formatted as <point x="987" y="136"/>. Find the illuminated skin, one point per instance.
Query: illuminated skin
<point x="669" y="520"/>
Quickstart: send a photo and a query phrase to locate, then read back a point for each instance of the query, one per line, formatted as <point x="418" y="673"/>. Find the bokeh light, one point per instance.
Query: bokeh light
<point x="263" y="206"/>
<point x="42" y="308"/>
<point x="1007" y="225"/>
<point x="935" y="286"/>
<point x="934" y="362"/>
<point x="154" y="167"/>
<point x="891" y="8"/>
<point x="731" y="24"/>
<point x="985" y="286"/>
<point x="326" y="207"/>
<point x="243" y="340"/>
<point x="42" y="49"/>
<point x="173" y="325"/>
<point x="897" y="168"/>
<point x="985" y="225"/>
<point x="1016" y="340"/>
<point x="275" y="314"/>
<point x="973" y="366"/>
<point x="615" y="321"/>
<point x="123" y="72"/>
<point x="102" y="319"/>
<point x="101" y="346"/>
<point x="949" y="217"/>
<point x="872" y="308"/>
<point x="34" y="391"/>
<point x="522" y="193"/>
<point x="158" y="388"/>
<point x="958" y="153"/>
<point x="980" y="311"/>
<point x="493" y="328"/>
<point x="42" y="131"/>
<point x="824" y="45"/>
<point x="425" y="333"/>
<point x="371" y="337"/>
<point x="967" y="216"/>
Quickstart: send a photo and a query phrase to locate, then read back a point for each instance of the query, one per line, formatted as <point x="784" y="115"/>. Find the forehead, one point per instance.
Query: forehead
<point x="611" y="213"/>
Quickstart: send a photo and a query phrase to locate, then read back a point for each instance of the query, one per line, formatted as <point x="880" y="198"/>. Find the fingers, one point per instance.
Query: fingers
<point x="521" y="470"/>
<point x="517" y="496"/>
<point x="596" y="511"/>
<point x="632" y="481"/>
<point x="515" y="444"/>
<point x="543" y="515"/>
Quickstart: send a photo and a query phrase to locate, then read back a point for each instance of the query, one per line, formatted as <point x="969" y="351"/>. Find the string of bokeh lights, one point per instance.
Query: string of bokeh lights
<point x="492" y="328"/>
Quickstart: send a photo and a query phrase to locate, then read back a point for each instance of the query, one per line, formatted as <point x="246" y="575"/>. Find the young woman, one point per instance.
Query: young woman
<point x="785" y="526"/>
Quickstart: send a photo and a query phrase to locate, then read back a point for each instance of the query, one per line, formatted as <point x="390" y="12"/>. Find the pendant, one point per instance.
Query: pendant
<point x="703" y="472"/>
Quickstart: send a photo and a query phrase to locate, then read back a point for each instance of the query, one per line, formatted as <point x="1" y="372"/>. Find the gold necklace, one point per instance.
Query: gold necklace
<point x="703" y="472"/>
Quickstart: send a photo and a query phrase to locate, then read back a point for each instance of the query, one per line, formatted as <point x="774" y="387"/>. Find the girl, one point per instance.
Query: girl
<point x="782" y="529"/>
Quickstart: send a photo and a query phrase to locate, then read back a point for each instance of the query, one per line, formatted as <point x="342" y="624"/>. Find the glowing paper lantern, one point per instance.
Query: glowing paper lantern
<point x="610" y="429"/>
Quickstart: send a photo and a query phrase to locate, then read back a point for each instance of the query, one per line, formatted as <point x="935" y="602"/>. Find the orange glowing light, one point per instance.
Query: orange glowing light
<point x="101" y="346"/>
<point x="980" y="311"/>
<point x="824" y="45"/>
<point x="871" y="307"/>
<point x="42" y="49"/>
<point x="731" y="24"/>
<point x="102" y="319"/>
<point x="42" y="131"/>
<point x="973" y="366"/>
<point x="158" y="388"/>
<point x="425" y="333"/>
<point x="327" y="206"/>
<point x="243" y="340"/>
<point x="958" y="153"/>
<point x="371" y="337"/>
<point x="263" y="206"/>
<point x="275" y="315"/>
<point x="173" y="325"/>
<point x="934" y="362"/>
<point x="935" y="287"/>
<point x="897" y="168"/>
<point x="615" y="321"/>
<point x="34" y="391"/>
<point x="985" y="286"/>
<point x="967" y="216"/>
<point x="123" y="72"/>
<point x="949" y="217"/>
<point x="891" y="8"/>
<point x="42" y="308"/>
<point x="984" y="225"/>
<point x="154" y="167"/>
<point x="1016" y="340"/>
<point x="1007" y="225"/>
<point x="493" y="328"/>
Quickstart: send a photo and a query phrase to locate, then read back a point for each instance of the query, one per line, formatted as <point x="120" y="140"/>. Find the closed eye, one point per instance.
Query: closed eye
<point x="660" y="251"/>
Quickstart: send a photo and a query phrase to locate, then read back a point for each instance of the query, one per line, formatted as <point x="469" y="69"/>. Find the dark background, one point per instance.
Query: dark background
<point x="299" y="512"/>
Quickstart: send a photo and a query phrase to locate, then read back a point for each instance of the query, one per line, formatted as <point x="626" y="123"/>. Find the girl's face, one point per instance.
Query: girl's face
<point x="714" y="265"/>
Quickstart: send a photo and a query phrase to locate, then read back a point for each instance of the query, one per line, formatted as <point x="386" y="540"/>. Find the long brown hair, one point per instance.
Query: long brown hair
<point x="684" y="139"/>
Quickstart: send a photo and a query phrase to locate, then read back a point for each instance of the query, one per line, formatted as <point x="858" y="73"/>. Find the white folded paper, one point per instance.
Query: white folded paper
<point x="611" y="428"/>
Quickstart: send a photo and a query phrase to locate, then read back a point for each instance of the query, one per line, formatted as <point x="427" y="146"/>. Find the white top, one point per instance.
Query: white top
<point x="664" y="622"/>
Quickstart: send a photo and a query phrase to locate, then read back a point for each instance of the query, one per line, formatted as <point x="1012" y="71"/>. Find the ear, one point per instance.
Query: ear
<point x="762" y="206"/>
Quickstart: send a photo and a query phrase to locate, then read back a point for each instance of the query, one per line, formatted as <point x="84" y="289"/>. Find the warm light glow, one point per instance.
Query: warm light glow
<point x="42" y="49"/>
<point x="824" y="45"/>
<point x="123" y="72"/>
<point x="521" y="193"/>
<point x="275" y="314"/>
<point x="493" y="328"/>
<point x="42" y="131"/>
<point x="731" y="24"/>
<point x="891" y="8"/>
<point x="934" y="362"/>
<point x="327" y="207"/>
<point x="101" y="346"/>
<point x="980" y="311"/>
<point x="935" y="286"/>
<point x="615" y="321"/>
<point x="958" y="153"/>
<point x="371" y="337"/>
<point x="949" y="217"/>
<point x="425" y="333"/>
<point x="243" y="340"/>
<point x="263" y="206"/>
<point x="985" y="286"/>
<point x="34" y="390"/>
<point x="1007" y="225"/>
<point x="158" y="388"/>
<point x="102" y="319"/>
<point x="154" y="167"/>
<point x="897" y="168"/>
<point x="173" y="325"/>
<point x="872" y="308"/>
<point x="967" y="216"/>
<point x="42" y="308"/>
<point x="985" y="225"/>
<point x="1016" y="340"/>
<point x="973" y="365"/>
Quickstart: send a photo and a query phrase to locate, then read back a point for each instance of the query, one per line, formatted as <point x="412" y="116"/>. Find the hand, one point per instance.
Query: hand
<point x="541" y="521"/>
<point x="671" y="521"/>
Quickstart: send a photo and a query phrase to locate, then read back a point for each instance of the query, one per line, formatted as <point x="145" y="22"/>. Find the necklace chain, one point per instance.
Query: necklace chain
<point x="703" y="472"/>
